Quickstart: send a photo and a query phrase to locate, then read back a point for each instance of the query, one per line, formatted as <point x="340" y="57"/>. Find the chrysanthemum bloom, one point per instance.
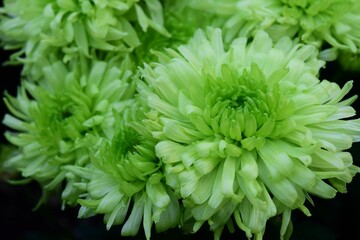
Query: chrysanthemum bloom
<point x="125" y="177"/>
<point x="335" y="22"/>
<point x="49" y="122"/>
<point x="238" y="17"/>
<point x="249" y="132"/>
<point x="70" y="27"/>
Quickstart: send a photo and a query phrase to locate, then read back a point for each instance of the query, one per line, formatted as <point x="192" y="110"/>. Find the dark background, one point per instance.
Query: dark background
<point x="338" y="218"/>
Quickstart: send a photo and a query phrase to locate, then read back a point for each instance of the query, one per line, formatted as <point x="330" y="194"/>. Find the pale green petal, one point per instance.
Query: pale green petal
<point x="132" y="224"/>
<point x="147" y="219"/>
<point x="118" y="215"/>
<point x="169" y="151"/>
<point x="170" y="216"/>
<point x="228" y="178"/>
<point x="110" y="201"/>
<point x="278" y="163"/>
<point x="204" y="188"/>
<point x="157" y="194"/>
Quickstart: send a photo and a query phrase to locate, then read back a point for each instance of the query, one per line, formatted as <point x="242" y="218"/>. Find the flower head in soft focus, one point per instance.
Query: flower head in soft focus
<point x="181" y="21"/>
<point x="49" y="122"/>
<point x="238" y="17"/>
<point x="334" y="22"/>
<point x="349" y="61"/>
<point x="125" y="180"/>
<point x="72" y="27"/>
<point x="249" y="132"/>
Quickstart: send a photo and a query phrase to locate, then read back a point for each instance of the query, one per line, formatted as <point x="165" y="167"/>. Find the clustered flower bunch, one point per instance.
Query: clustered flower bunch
<point x="182" y="113"/>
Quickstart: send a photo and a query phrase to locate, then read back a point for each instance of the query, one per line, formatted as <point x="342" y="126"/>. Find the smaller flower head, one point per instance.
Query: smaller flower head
<point x="333" y="22"/>
<point x="125" y="178"/>
<point x="49" y="121"/>
<point x="72" y="27"/>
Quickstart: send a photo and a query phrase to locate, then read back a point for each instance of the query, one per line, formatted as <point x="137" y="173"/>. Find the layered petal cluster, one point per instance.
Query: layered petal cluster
<point x="334" y="22"/>
<point x="49" y="122"/>
<point x="76" y="27"/>
<point x="249" y="132"/>
<point x="240" y="17"/>
<point x="125" y="180"/>
<point x="181" y="21"/>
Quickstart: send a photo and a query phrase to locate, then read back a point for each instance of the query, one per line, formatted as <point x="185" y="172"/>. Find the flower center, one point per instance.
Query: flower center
<point x="60" y="118"/>
<point x="245" y="105"/>
<point x="126" y="141"/>
<point x="132" y="157"/>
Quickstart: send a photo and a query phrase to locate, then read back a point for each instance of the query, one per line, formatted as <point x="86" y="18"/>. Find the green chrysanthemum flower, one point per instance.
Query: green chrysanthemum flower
<point x="125" y="177"/>
<point x="335" y="22"/>
<point x="76" y="26"/>
<point x="249" y="132"/>
<point x="237" y="17"/>
<point x="50" y="121"/>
